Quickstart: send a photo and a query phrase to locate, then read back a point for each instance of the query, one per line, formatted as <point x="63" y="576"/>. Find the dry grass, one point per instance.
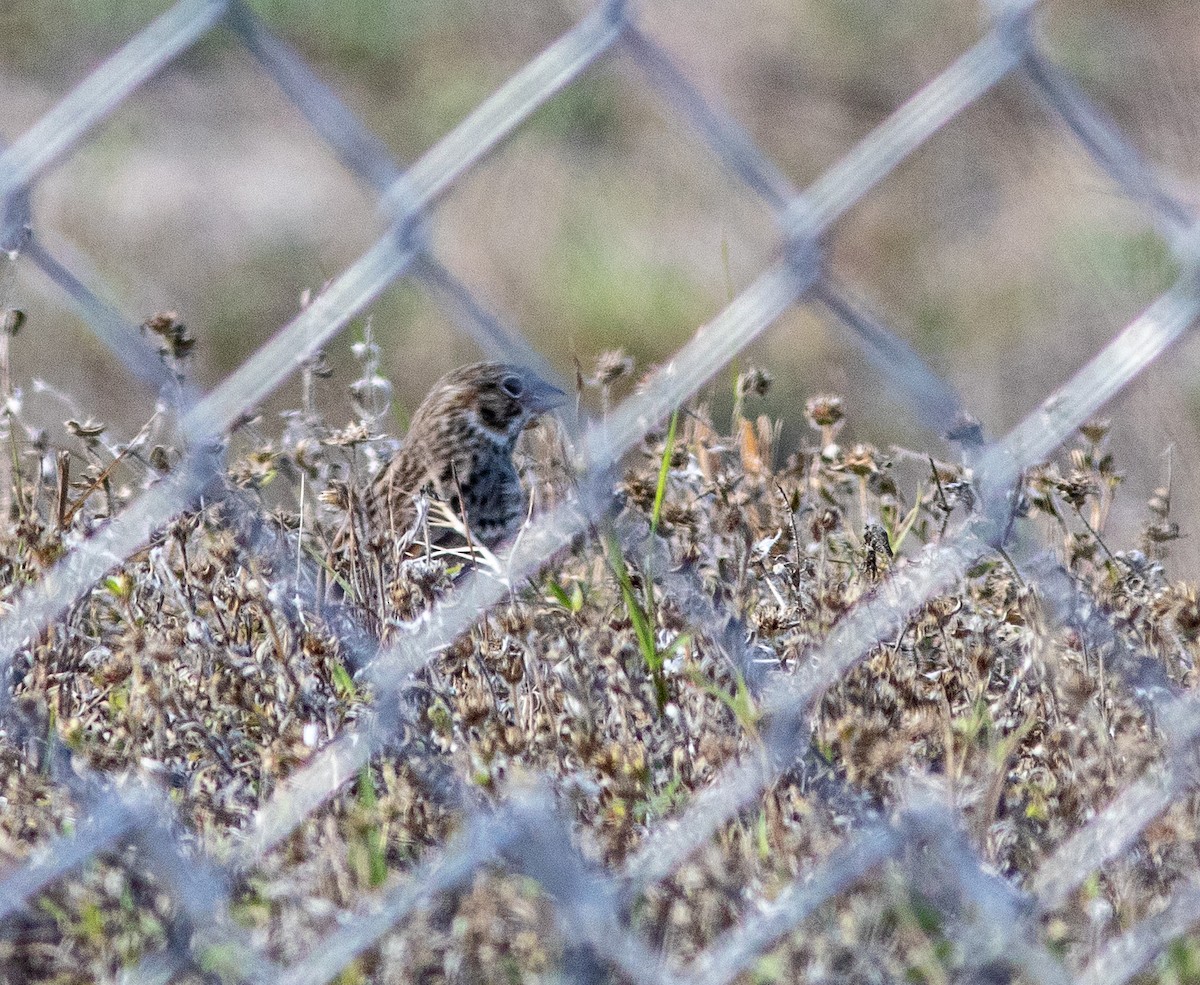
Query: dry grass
<point x="630" y="675"/>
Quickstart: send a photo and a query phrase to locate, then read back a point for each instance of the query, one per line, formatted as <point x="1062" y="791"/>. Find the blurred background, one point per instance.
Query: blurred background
<point x="999" y="250"/>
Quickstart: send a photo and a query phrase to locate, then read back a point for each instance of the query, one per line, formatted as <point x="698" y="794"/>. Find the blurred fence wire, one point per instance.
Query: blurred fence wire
<point x="530" y="835"/>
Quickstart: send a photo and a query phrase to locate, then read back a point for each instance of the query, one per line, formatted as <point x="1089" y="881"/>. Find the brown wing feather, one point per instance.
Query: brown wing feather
<point x="386" y="506"/>
<point x="389" y="505"/>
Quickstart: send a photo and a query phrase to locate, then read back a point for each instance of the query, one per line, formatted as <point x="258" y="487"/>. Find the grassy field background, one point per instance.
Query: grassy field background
<point x="999" y="250"/>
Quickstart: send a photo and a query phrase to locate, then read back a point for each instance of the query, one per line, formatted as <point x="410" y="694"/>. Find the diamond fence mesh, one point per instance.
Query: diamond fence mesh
<point x="997" y="922"/>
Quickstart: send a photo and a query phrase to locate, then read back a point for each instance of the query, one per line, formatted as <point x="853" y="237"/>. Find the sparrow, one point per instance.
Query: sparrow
<point x="458" y="450"/>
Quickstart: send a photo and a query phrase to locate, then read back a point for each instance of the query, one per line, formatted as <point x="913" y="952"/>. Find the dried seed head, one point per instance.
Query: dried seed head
<point x="11" y="320"/>
<point x="175" y="338"/>
<point x="1077" y="487"/>
<point x="754" y="382"/>
<point x="1160" y="502"/>
<point x="161" y="323"/>
<point x="352" y="434"/>
<point x="256" y="470"/>
<point x="512" y="667"/>
<point x="336" y="494"/>
<point x="824" y="411"/>
<point x="612" y="366"/>
<point x="960" y="492"/>
<point x="307" y="455"/>
<point x="474" y="707"/>
<point x="770" y="620"/>
<point x="824" y="522"/>
<point x="1161" y="533"/>
<point x="318" y="365"/>
<point x="1096" y="429"/>
<point x="860" y="460"/>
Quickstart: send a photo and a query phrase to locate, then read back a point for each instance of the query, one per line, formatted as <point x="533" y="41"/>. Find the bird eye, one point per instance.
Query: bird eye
<point x="512" y="385"/>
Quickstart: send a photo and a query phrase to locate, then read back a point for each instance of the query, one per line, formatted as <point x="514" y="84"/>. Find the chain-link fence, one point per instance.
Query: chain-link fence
<point x="531" y="835"/>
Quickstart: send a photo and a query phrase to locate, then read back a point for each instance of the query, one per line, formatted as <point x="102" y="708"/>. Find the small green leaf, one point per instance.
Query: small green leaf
<point x="559" y="593"/>
<point x="643" y="625"/>
<point x="897" y="536"/>
<point x="91" y="923"/>
<point x="740" y="702"/>
<point x="120" y="585"/>
<point x="764" y="842"/>
<point x="373" y="837"/>
<point x="663" y="471"/>
<point x="342" y="680"/>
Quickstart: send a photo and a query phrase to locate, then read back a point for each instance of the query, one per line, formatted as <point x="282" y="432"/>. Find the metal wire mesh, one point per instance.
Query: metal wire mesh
<point x="531" y="836"/>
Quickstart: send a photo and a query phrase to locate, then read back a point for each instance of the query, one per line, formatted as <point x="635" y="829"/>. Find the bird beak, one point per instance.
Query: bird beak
<point x="541" y="396"/>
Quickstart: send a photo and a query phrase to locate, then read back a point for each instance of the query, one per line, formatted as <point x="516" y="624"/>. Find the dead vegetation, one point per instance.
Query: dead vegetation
<point x="629" y="672"/>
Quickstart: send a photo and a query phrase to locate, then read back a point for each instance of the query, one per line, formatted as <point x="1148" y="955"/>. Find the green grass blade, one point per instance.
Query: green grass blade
<point x="663" y="471"/>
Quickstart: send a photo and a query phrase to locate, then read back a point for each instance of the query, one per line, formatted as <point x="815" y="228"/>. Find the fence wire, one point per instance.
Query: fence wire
<point x="532" y="835"/>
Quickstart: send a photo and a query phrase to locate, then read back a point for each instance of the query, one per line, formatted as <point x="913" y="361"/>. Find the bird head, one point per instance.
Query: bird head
<point x="504" y="398"/>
